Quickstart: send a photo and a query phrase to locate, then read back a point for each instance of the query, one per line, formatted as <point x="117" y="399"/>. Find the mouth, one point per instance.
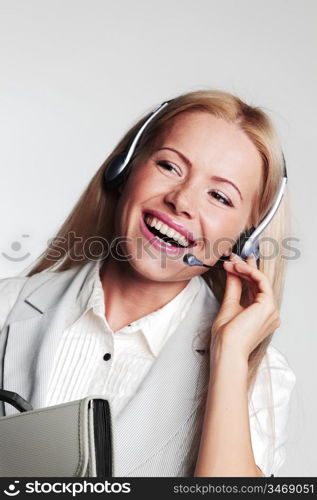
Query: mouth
<point x="166" y="233"/>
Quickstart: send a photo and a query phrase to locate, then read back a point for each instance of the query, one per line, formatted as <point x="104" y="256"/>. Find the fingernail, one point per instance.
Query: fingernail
<point x="235" y="256"/>
<point x="239" y="266"/>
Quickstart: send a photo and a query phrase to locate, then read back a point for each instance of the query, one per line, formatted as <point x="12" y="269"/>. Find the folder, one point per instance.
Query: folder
<point x="72" y="439"/>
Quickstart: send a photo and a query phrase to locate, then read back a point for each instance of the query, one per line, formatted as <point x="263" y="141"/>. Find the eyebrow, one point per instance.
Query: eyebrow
<point x="214" y="177"/>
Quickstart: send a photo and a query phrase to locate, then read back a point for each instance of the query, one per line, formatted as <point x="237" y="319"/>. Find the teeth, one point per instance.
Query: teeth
<point x="166" y="230"/>
<point x="166" y="243"/>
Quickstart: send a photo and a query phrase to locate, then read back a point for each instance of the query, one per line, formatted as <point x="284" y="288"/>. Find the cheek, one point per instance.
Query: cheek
<point x="141" y="190"/>
<point x="132" y="200"/>
<point x="221" y="234"/>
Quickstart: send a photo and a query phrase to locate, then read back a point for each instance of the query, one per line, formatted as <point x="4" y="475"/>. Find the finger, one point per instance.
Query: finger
<point x="252" y="289"/>
<point x="256" y="275"/>
<point x="229" y="266"/>
<point x="252" y="260"/>
<point x="233" y="288"/>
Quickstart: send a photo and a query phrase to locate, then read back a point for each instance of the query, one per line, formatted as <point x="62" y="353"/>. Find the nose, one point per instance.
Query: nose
<point x="182" y="201"/>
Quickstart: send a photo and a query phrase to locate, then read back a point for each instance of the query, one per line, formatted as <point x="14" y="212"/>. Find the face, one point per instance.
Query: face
<point x="201" y="179"/>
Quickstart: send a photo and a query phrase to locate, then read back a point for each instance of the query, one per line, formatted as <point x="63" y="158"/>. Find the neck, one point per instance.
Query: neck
<point x="129" y="296"/>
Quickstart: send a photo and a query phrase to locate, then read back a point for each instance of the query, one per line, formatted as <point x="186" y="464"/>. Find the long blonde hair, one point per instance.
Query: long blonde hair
<point x="93" y="214"/>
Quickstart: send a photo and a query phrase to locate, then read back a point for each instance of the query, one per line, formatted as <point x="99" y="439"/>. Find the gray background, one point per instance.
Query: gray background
<point x="75" y="74"/>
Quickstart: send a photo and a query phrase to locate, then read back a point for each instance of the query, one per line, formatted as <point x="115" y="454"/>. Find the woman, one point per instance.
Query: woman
<point x="181" y="352"/>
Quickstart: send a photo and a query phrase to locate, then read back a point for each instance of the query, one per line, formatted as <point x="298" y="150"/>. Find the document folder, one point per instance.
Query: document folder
<point x="65" y="440"/>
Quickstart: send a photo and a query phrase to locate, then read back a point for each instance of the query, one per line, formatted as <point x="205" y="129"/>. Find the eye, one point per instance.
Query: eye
<point x="169" y="167"/>
<point x="225" y="201"/>
<point x="166" y="165"/>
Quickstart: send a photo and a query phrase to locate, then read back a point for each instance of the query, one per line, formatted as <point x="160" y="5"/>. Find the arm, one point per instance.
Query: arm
<point x="225" y="446"/>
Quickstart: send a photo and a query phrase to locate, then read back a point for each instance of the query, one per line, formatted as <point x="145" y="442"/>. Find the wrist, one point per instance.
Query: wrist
<point x="228" y="367"/>
<point x="221" y="349"/>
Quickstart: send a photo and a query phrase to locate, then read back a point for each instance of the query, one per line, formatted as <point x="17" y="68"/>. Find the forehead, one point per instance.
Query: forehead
<point x="202" y="130"/>
<point x="213" y="144"/>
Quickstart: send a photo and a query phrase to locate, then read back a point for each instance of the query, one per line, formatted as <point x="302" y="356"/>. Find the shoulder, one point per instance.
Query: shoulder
<point x="10" y="289"/>
<point x="13" y="289"/>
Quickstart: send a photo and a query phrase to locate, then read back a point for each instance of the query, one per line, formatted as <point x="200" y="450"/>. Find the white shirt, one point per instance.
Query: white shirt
<point x="80" y="370"/>
<point x="79" y="365"/>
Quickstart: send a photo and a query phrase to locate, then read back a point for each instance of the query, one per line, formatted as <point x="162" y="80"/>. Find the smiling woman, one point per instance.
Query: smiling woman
<point x="195" y="388"/>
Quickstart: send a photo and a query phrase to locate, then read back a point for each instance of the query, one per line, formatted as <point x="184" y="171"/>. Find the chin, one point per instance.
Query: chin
<point x="154" y="268"/>
<point x="151" y="269"/>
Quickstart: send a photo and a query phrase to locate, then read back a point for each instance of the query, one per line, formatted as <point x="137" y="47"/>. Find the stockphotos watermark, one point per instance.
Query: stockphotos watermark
<point x="97" y="247"/>
<point x="59" y="487"/>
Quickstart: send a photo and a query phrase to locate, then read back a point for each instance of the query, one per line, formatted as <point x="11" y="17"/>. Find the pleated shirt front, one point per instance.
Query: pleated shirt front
<point x="92" y="359"/>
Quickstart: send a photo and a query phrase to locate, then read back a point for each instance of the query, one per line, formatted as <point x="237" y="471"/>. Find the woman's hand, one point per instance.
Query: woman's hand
<point x="243" y="328"/>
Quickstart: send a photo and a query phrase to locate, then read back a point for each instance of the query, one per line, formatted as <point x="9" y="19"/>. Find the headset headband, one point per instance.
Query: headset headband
<point x="118" y="169"/>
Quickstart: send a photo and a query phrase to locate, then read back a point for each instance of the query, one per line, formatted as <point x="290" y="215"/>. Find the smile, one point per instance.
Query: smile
<point x="161" y="231"/>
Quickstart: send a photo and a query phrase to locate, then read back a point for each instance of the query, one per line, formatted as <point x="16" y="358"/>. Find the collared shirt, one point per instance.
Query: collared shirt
<point x="91" y="359"/>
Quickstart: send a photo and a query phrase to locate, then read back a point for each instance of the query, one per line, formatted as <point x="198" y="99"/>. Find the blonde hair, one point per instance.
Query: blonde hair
<point x="93" y="214"/>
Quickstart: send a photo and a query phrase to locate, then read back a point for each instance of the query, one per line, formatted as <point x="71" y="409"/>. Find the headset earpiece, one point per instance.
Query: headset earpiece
<point x="115" y="173"/>
<point x="243" y="247"/>
<point x="118" y="169"/>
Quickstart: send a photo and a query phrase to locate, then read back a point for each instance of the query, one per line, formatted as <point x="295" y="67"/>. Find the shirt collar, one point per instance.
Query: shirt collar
<point x="157" y="326"/>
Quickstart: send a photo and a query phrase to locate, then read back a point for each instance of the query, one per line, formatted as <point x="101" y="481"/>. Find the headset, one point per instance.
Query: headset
<point x="248" y="243"/>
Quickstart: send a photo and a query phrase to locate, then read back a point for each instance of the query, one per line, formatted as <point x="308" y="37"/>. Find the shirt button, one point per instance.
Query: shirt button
<point x="107" y="356"/>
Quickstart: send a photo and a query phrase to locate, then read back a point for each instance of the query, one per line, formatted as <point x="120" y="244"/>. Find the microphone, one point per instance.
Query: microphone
<point x="191" y="260"/>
